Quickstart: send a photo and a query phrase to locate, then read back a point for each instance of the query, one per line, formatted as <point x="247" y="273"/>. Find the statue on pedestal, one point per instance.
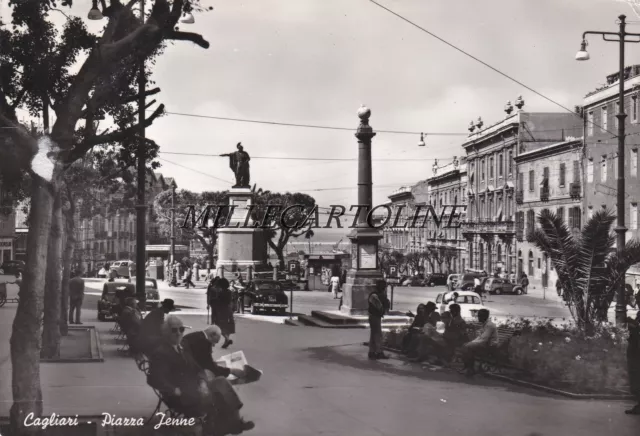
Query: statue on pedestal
<point x="239" y="164"/>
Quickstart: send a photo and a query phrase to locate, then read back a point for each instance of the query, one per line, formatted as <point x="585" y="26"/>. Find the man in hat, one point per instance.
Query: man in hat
<point x="151" y="328"/>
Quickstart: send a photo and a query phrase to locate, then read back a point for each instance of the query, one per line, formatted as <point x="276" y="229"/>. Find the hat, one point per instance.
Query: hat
<point x="168" y="303"/>
<point x="223" y="283"/>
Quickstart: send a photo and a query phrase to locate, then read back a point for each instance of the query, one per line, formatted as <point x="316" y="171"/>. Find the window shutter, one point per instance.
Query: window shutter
<point x="576" y="171"/>
<point x="578" y="218"/>
<point x="531" y="176"/>
<point x="562" y="174"/>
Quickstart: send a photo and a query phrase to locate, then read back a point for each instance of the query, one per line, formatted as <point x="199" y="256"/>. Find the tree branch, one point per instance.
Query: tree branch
<point x="80" y="149"/>
<point x="132" y="98"/>
<point x="196" y="38"/>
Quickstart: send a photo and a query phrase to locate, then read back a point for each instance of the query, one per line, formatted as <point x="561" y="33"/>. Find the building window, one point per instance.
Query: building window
<point x="634" y="109"/>
<point x="634" y="162"/>
<point x="590" y="170"/>
<point x="560" y="213"/>
<point x="605" y="119"/>
<point x="633" y="216"/>
<point x="574" y="218"/>
<point x="576" y="171"/>
<point x="590" y="123"/>
<point x="482" y="170"/>
<point x="491" y="168"/>
<point x="562" y="174"/>
<point x="500" y="163"/>
<point x="603" y="168"/>
<point x="539" y="264"/>
<point x="510" y="162"/>
<point x="520" y="182"/>
<point x="531" y="180"/>
<point x="531" y="221"/>
<point x="530" y="263"/>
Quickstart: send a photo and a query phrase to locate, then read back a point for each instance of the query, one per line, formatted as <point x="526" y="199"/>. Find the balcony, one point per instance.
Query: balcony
<point x="488" y="227"/>
<point x="544" y="193"/>
<point x="519" y="197"/>
<point x="575" y="190"/>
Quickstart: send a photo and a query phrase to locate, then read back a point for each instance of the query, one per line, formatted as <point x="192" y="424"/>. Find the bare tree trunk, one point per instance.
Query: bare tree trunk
<point x="26" y="334"/>
<point x="67" y="256"/>
<point x="51" y="328"/>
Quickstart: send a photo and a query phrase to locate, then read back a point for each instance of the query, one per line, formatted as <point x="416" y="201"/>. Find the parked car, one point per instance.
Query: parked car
<point x="467" y="281"/>
<point x="470" y="303"/>
<point x="436" y="279"/>
<point x="288" y="285"/>
<point x="494" y="285"/>
<point x="12" y="267"/>
<point x="413" y="281"/>
<point x="452" y="281"/>
<point x="153" y="294"/>
<point x="265" y="295"/>
<point x="121" y="267"/>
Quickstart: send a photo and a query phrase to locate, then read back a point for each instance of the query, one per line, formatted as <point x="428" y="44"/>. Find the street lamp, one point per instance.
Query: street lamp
<point x="582" y="55"/>
<point x="94" y="13"/>
<point x="421" y="143"/>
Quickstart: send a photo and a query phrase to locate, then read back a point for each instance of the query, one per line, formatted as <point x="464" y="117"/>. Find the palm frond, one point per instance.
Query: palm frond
<point x="617" y="266"/>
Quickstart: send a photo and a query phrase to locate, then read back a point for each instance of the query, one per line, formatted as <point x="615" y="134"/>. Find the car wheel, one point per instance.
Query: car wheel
<point x="432" y="284"/>
<point x="498" y="291"/>
<point x="518" y="291"/>
<point x="254" y="310"/>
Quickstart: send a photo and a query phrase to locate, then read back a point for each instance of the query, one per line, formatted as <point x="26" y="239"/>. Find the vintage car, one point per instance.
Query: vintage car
<point x="436" y="279"/>
<point x="112" y="300"/>
<point x="413" y="281"/>
<point x="12" y="266"/>
<point x="498" y="286"/>
<point x="153" y="294"/>
<point x="265" y="296"/>
<point x="470" y="303"/>
<point x="453" y="280"/>
<point x="466" y="282"/>
<point x="121" y="268"/>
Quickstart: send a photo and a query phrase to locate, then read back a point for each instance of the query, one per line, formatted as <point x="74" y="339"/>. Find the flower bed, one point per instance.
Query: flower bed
<point x="562" y="357"/>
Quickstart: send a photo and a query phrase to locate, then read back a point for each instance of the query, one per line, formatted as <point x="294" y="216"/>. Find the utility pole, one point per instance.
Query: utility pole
<point x="582" y="55"/>
<point x="141" y="207"/>
<point x="173" y="220"/>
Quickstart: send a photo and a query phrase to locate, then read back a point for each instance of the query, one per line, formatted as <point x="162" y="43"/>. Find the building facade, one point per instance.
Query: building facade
<point x="446" y="246"/>
<point x="548" y="177"/>
<point x="399" y="238"/>
<point x="601" y="148"/>
<point x="7" y="229"/>
<point x="491" y="152"/>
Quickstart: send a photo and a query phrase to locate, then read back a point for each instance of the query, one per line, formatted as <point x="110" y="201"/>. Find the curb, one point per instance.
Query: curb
<point x="621" y="397"/>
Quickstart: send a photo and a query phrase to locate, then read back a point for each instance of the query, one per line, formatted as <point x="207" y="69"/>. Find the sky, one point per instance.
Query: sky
<point x="317" y="61"/>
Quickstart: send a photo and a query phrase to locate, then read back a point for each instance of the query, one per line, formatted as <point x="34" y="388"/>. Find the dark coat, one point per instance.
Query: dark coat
<point x="633" y="358"/>
<point x="456" y="332"/>
<point x="222" y="311"/>
<point x="169" y="370"/>
<point x="201" y="349"/>
<point x="151" y="330"/>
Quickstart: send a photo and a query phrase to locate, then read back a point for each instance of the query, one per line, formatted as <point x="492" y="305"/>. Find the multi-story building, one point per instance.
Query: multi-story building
<point x="548" y="177"/>
<point x="491" y="153"/>
<point x="601" y="148"/>
<point x="447" y="188"/>
<point x="22" y="229"/>
<point x="398" y="238"/>
<point x="7" y="229"/>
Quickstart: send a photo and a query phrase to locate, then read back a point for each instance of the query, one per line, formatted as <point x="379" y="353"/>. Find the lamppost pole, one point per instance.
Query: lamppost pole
<point x="141" y="208"/>
<point x="173" y="219"/>
<point x="583" y="55"/>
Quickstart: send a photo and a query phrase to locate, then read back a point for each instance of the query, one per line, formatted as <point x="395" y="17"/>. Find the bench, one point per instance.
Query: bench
<point x="495" y="359"/>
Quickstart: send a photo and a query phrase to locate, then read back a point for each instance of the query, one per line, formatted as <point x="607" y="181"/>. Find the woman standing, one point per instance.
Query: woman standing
<point x="633" y="362"/>
<point x="222" y="311"/>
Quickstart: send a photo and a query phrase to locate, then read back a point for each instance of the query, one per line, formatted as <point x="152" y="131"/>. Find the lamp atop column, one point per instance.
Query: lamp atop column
<point x="472" y="126"/>
<point x="479" y="123"/>
<point x="583" y="54"/>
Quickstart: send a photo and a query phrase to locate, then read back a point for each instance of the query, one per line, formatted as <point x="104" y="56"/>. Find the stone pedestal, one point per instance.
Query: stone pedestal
<point x="240" y="244"/>
<point x="364" y="271"/>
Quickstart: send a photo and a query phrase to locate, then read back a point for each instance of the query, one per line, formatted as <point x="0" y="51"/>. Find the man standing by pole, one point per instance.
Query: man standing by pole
<point x="378" y="306"/>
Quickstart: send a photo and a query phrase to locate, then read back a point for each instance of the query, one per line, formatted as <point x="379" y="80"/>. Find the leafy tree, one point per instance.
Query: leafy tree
<point x="298" y="220"/>
<point x="39" y="71"/>
<point x="207" y="236"/>
<point x="588" y="267"/>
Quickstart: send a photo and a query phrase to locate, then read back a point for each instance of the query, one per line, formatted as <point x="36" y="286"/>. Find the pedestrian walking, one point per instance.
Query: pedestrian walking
<point x="76" y="296"/>
<point x="196" y="267"/>
<point x="112" y="274"/>
<point x="222" y="311"/>
<point x="334" y="286"/>
<point x="633" y="362"/>
<point x="378" y="305"/>
<point x="559" y="288"/>
<point x="187" y="280"/>
<point x="524" y="282"/>
<point x="477" y="286"/>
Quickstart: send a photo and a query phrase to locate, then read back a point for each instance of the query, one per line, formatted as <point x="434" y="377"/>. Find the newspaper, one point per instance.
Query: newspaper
<point x="237" y="360"/>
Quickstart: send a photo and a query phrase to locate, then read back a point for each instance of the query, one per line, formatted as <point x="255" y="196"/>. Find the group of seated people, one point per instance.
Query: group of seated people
<point x="182" y="369"/>
<point x="437" y="338"/>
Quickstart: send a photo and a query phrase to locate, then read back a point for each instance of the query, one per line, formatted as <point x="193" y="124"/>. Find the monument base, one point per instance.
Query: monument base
<point x="239" y="248"/>
<point x="360" y="284"/>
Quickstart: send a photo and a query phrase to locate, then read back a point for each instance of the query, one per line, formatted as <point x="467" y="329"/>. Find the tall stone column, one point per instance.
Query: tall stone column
<point x="365" y="269"/>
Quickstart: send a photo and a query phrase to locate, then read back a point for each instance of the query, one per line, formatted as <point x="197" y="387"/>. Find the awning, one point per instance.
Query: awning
<point x="508" y="185"/>
<point x="490" y="188"/>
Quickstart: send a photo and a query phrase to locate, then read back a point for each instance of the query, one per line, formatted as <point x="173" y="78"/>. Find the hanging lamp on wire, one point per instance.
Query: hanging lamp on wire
<point x="421" y="143"/>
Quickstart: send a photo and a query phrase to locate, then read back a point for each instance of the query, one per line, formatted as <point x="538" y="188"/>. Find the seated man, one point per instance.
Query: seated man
<point x="151" y="328"/>
<point x="455" y="331"/>
<point x="487" y="338"/>
<point x="430" y="343"/>
<point x="131" y="321"/>
<point x="187" y="388"/>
